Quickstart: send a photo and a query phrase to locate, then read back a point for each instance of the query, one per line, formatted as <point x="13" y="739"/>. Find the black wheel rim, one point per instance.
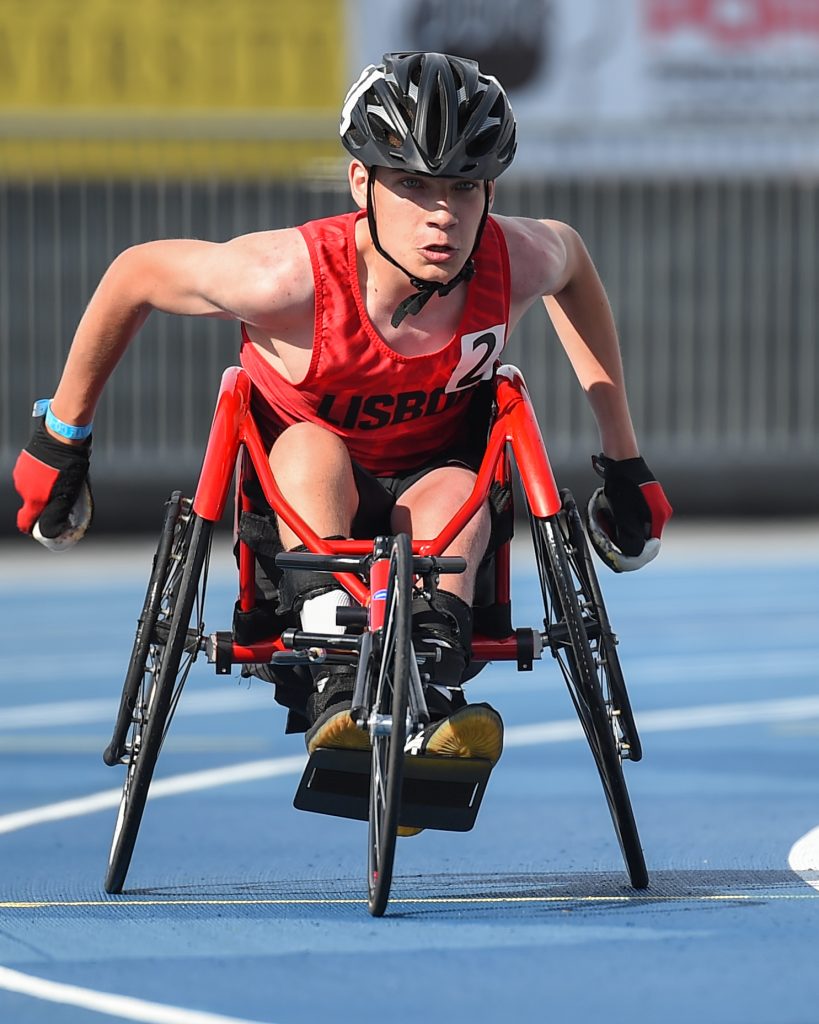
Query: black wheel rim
<point x="161" y="661"/>
<point x="390" y="688"/>
<point x="573" y="621"/>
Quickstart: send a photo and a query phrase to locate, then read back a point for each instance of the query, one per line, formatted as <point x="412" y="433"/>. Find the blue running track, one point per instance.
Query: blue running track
<point x="241" y="909"/>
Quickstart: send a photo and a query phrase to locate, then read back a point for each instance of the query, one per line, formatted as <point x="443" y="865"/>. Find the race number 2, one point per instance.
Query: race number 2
<point x="478" y="354"/>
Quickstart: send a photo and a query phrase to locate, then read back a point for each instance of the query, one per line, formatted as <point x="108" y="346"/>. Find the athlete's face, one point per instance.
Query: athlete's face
<point x="427" y="224"/>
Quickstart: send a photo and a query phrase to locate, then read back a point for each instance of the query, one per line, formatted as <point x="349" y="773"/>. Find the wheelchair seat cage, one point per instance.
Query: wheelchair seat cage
<point x="383" y="786"/>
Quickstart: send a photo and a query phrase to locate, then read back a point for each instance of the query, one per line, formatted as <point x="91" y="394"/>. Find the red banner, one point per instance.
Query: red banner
<point x="733" y="22"/>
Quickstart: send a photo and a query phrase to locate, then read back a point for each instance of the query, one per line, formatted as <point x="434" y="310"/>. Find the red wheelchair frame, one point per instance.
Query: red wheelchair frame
<point x="576" y="626"/>
<point x="234" y="428"/>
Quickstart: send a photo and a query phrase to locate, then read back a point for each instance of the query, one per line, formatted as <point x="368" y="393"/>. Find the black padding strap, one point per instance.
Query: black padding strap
<point x="447" y="619"/>
<point x="337" y="683"/>
<point x="260" y="533"/>
<point x="299" y="585"/>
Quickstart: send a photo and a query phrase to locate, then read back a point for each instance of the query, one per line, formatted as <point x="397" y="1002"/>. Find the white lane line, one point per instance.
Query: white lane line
<point x="804" y="857"/>
<point x="172" y="786"/>
<point x="709" y="716"/>
<point x="125" y="1007"/>
<point x="85" y="712"/>
<point x="238" y="699"/>
<point x="721" y="667"/>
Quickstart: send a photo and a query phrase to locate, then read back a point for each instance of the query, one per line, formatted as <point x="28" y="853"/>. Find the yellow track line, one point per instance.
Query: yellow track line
<point x="352" y="901"/>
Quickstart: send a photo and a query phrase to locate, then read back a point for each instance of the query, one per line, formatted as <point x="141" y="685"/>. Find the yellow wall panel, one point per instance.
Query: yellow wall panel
<point x="76" y="75"/>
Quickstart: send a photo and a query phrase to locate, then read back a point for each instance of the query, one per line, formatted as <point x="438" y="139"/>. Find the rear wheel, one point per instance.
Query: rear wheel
<point x="164" y="650"/>
<point x="582" y="642"/>
<point x="390" y="686"/>
<point x="614" y="685"/>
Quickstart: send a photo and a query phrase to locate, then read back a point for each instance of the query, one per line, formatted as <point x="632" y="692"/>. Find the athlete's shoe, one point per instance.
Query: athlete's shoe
<point x="475" y="730"/>
<point x="335" y="728"/>
<point x="328" y="710"/>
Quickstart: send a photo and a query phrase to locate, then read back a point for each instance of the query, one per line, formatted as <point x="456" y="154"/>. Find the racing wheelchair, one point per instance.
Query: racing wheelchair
<point x="383" y="785"/>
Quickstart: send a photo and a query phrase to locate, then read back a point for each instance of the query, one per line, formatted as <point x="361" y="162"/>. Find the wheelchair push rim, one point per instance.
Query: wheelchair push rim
<point x="582" y="564"/>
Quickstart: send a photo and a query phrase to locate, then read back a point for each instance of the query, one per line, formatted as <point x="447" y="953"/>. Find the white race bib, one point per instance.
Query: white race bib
<point x="479" y="351"/>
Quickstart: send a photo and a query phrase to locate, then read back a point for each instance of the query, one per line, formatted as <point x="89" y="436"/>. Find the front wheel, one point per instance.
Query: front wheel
<point x="390" y="686"/>
<point x="164" y="650"/>
<point x="581" y="641"/>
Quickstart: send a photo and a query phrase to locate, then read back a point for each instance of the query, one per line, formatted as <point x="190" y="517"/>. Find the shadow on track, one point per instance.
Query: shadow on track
<point x="490" y="895"/>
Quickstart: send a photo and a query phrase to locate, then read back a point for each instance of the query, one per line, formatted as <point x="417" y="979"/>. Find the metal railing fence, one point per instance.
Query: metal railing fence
<point x="713" y="283"/>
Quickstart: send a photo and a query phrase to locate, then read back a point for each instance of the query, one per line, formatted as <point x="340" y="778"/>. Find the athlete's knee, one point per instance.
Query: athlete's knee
<point x="432" y="503"/>
<point x="306" y="451"/>
<point x="315" y="475"/>
<point x="452" y="485"/>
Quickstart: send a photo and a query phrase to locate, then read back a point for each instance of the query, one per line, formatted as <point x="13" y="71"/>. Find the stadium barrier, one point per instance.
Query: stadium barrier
<point x="713" y="284"/>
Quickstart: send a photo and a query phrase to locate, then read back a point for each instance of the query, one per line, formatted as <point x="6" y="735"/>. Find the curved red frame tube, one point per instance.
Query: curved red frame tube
<point x="234" y="438"/>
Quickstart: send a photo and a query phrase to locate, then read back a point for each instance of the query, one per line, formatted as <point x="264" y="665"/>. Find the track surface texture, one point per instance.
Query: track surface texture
<point x="239" y="908"/>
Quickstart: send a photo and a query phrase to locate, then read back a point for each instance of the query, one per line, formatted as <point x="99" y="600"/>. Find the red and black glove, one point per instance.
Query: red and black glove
<point x="627" y="514"/>
<point x="52" y="479"/>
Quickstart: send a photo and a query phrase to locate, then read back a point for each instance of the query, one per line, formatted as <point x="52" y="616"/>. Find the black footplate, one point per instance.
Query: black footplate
<point x="438" y="792"/>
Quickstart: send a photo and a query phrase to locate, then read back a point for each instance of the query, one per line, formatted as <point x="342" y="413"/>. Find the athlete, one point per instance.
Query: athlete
<point x="367" y="336"/>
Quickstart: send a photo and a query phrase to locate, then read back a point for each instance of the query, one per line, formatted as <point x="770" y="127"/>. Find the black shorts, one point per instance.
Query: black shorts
<point x="377" y="495"/>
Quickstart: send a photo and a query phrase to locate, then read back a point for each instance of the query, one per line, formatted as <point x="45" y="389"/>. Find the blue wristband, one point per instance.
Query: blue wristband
<point x="42" y="407"/>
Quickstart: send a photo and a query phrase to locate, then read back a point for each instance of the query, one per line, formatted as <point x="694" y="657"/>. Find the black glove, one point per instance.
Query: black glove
<point x="52" y="479"/>
<point x="627" y="514"/>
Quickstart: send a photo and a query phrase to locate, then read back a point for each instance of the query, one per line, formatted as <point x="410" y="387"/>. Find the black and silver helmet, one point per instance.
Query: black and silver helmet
<point x="430" y="113"/>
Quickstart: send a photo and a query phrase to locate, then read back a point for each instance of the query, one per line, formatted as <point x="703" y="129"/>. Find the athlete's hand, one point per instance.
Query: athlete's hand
<point x="627" y="514"/>
<point x="51" y="477"/>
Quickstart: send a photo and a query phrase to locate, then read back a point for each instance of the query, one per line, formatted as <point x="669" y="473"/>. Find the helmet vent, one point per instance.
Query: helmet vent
<point x="435" y="141"/>
<point x="483" y="143"/>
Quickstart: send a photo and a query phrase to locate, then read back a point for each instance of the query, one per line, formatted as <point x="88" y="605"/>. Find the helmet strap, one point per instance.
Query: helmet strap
<point x="413" y="304"/>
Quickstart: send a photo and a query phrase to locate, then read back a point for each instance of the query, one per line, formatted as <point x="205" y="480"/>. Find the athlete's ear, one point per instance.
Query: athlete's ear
<point x="490" y="188"/>
<point x="357" y="175"/>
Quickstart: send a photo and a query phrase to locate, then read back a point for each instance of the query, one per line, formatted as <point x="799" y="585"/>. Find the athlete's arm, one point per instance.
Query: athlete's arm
<point x="258" y="278"/>
<point x="549" y="261"/>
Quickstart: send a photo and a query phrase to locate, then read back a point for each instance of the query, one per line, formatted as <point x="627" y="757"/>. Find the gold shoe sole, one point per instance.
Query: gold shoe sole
<point x="473" y="731"/>
<point x="339" y="733"/>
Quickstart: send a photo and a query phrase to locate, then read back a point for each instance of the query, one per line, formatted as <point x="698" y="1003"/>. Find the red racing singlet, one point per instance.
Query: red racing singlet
<point x="395" y="412"/>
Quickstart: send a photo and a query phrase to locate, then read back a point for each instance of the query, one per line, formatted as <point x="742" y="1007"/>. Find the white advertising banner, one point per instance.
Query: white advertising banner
<point x="630" y="86"/>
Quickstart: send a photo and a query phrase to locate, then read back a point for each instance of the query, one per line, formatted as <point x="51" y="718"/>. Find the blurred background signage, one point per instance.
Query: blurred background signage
<point x="748" y="59"/>
<point x="631" y="85"/>
<point x="252" y="87"/>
